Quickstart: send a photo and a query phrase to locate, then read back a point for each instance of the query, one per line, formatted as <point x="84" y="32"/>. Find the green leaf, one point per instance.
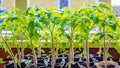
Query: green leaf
<point x="109" y="35"/>
<point x="63" y="46"/>
<point x="14" y="18"/>
<point x="17" y="60"/>
<point x="101" y="35"/>
<point x="1" y="61"/>
<point x="73" y="62"/>
<point x="112" y="25"/>
<point x="67" y="36"/>
<point x="117" y="47"/>
<point x="104" y="23"/>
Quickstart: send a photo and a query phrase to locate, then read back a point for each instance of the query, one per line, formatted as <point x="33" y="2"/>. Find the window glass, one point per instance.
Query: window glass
<point x="0" y="4"/>
<point x="116" y="4"/>
<point x="63" y="3"/>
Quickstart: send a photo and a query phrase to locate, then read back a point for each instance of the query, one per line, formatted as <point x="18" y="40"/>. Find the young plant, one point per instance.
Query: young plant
<point x="117" y="37"/>
<point x="88" y="21"/>
<point x="9" y="18"/>
<point x="108" y="25"/>
<point x="31" y="26"/>
<point x="51" y="20"/>
<point x="70" y="22"/>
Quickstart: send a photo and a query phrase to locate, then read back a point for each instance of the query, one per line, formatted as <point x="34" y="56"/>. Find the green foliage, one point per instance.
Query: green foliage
<point x="17" y="60"/>
<point x="116" y="39"/>
<point x="63" y="26"/>
<point x="1" y="61"/>
<point x="117" y="47"/>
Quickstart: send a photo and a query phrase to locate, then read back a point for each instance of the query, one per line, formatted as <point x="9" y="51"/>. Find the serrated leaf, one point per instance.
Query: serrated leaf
<point x="101" y="35"/>
<point x="13" y="18"/>
<point x="104" y="23"/>
<point x="109" y="35"/>
<point x="67" y="36"/>
<point x="112" y="25"/>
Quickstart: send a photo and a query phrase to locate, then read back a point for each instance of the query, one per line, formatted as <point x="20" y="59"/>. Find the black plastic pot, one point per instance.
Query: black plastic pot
<point x="99" y="58"/>
<point x="116" y="60"/>
<point x="28" y="57"/>
<point x="75" y="65"/>
<point x="39" y="65"/>
<point x="11" y="65"/>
